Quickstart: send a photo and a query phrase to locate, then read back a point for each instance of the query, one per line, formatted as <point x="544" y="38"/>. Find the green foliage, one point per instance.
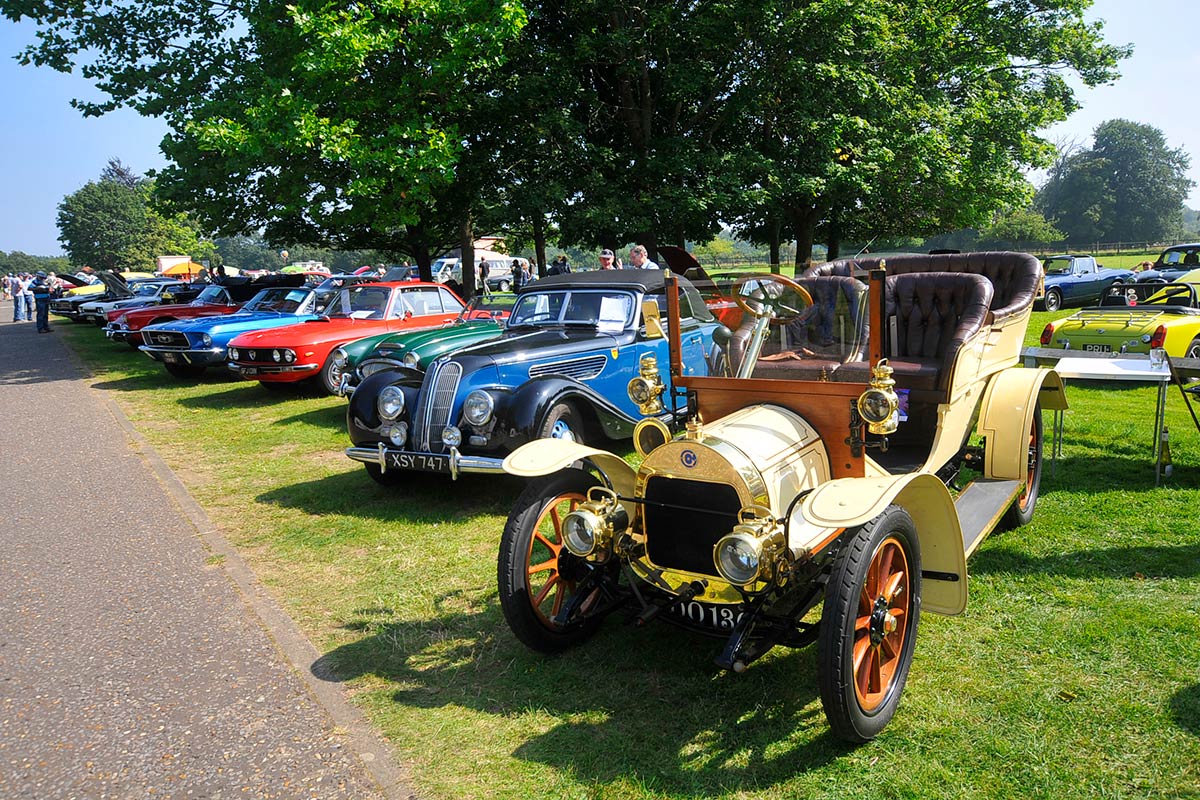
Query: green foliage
<point x="1130" y="186"/>
<point x="16" y="261"/>
<point x="115" y="223"/>
<point x="1016" y="227"/>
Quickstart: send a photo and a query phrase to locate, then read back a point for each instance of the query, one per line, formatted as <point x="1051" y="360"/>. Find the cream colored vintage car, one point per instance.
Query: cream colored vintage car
<point x="833" y="465"/>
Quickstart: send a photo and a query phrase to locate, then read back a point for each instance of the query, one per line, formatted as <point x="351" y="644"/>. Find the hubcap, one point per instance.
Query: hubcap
<point x="562" y="430"/>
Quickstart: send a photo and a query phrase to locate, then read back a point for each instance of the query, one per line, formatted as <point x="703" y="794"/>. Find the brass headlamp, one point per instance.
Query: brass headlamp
<point x="647" y="388"/>
<point x="753" y="550"/>
<point x="590" y="528"/>
<point x="879" y="405"/>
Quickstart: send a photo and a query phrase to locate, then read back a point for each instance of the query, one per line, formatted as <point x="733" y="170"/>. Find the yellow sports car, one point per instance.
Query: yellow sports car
<point x="97" y="288"/>
<point x="1133" y="318"/>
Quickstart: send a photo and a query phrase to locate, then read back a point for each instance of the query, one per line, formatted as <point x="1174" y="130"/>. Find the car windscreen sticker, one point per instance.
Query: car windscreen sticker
<point x="613" y="311"/>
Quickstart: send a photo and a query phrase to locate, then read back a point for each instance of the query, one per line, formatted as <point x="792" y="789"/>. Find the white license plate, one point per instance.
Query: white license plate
<point x="707" y="615"/>
<point x="423" y="462"/>
<point x="249" y="370"/>
<point x="1097" y="348"/>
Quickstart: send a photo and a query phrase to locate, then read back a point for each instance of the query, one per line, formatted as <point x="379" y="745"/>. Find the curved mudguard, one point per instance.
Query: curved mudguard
<point x="546" y="456"/>
<point x="847" y="502"/>
<point x="1012" y="395"/>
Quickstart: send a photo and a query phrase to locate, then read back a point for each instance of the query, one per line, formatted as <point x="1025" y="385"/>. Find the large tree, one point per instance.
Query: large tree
<point x="1129" y="186"/>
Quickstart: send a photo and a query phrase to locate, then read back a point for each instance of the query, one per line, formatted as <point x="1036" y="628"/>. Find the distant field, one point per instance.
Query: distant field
<point x="1073" y="673"/>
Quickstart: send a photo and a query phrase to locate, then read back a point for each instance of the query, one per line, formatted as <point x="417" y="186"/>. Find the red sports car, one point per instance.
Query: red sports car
<point x="303" y="351"/>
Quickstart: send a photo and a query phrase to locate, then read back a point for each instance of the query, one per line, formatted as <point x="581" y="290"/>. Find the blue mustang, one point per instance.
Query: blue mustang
<point x="186" y="347"/>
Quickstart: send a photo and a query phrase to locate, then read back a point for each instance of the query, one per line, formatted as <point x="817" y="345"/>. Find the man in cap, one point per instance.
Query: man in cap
<point x="40" y="287"/>
<point x="606" y="259"/>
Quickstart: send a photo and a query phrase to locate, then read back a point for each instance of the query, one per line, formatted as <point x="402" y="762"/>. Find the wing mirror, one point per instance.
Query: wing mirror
<point x="652" y="319"/>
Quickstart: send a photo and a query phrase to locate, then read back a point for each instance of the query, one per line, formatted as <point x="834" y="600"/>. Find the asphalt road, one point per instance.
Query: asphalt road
<point x="133" y="662"/>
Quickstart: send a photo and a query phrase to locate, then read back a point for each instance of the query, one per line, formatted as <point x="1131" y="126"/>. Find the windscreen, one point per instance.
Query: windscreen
<point x="280" y="300"/>
<point x="605" y="310"/>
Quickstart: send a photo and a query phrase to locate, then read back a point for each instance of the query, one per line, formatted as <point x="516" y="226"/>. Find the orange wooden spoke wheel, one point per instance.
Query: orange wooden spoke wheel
<point x="881" y="625"/>
<point x="536" y="576"/>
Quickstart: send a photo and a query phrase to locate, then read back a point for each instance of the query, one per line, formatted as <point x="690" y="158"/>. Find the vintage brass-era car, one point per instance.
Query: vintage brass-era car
<point x="825" y="470"/>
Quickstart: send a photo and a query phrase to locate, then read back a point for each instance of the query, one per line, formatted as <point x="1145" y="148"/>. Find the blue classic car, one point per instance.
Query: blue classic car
<point x="574" y="349"/>
<point x="186" y="347"/>
<point x="1076" y="281"/>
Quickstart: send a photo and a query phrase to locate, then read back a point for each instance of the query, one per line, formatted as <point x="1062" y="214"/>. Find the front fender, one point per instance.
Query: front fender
<point x="1009" y="399"/>
<point x="546" y="456"/>
<point x="847" y="502"/>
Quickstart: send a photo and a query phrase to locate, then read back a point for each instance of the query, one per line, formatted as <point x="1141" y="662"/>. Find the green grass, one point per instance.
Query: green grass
<point x="1073" y="673"/>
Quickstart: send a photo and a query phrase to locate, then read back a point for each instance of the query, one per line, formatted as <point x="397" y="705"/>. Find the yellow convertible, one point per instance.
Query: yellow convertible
<point x="1133" y="318"/>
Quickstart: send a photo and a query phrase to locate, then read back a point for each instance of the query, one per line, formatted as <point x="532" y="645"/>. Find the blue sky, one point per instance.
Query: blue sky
<point x="48" y="150"/>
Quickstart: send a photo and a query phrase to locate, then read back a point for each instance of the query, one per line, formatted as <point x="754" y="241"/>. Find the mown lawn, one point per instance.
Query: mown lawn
<point x="1075" y="671"/>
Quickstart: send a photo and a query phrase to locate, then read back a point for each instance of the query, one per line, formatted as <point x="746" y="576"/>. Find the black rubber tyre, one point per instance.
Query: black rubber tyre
<point x="869" y="625"/>
<point x="1193" y="349"/>
<point x="563" y="421"/>
<point x="1021" y="511"/>
<point x="184" y="371"/>
<point x="391" y="478"/>
<point x="534" y="569"/>
<point x="329" y="377"/>
<point x="505" y="286"/>
<point x="1053" y="301"/>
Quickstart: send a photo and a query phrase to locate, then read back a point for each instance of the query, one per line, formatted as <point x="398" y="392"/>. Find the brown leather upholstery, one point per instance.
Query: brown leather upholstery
<point x="929" y="316"/>
<point x="1014" y="276"/>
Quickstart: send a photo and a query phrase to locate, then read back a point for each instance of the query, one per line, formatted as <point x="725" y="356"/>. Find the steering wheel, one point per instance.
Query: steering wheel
<point x="776" y="293"/>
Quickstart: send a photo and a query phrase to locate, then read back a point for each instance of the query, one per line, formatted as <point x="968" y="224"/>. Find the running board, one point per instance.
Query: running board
<point x="980" y="507"/>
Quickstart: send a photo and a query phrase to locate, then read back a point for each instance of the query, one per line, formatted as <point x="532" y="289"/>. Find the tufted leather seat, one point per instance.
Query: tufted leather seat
<point x="930" y="316"/>
<point x="1014" y="276"/>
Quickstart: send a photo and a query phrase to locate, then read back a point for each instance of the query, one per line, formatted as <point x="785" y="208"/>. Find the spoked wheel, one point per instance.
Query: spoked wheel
<point x="330" y="377"/>
<point x="537" y="576"/>
<point x="1021" y="511"/>
<point x="1053" y="300"/>
<point x="869" y="625"/>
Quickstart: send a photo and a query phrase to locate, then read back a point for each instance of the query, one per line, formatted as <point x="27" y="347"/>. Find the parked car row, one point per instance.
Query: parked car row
<point x="797" y="451"/>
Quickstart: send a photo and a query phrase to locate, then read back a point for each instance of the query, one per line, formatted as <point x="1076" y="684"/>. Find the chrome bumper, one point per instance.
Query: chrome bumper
<point x="250" y="371"/>
<point x="213" y="353"/>
<point x="458" y="462"/>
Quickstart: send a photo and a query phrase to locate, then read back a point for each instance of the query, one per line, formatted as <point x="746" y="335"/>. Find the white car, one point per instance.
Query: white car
<point x="132" y="295"/>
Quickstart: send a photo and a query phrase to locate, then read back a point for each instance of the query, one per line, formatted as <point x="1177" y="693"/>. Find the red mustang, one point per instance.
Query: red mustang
<point x="302" y="351"/>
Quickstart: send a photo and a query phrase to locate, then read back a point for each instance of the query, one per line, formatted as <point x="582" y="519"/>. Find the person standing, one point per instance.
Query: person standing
<point x="20" y="313"/>
<point x="518" y="275"/>
<point x="640" y="259"/>
<point x="483" y="276"/>
<point x="29" y="296"/>
<point x="606" y="259"/>
<point x="559" y="267"/>
<point x="8" y="286"/>
<point x="39" y="289"/>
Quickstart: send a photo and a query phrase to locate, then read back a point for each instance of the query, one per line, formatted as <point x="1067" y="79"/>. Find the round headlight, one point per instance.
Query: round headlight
<point x="478" y="407"/>
<point x="640" y="391"/>
<point x="276" y="356"/>
<point x="411" y="359"/>
<point x="580" y="529"/>
<point x="876" y="405"/>
<point x="340" y="358"/>
<point x="289" y="356"/>
<point x="398" y="435"/>
<point x="390" y="402"/>
<point x="206" y="340"/>
<point x="451" y="436"/>
<point x="369" y="368"/>
<point x="233" y="353"/>
<point x="737" y="558"/>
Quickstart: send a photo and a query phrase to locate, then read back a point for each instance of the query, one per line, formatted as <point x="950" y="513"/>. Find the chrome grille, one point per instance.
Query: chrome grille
<point x="436" y="403"/>
<point x="581" y="369"/>
<point x="166" y="339"/>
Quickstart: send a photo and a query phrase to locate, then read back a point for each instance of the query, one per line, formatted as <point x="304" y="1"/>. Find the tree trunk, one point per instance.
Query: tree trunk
<point x="804" y="226"/>
<point x="773" y="232"/>
<point x="467" y="257"/>
<point x="539" y="243"/>
<point x="833" y="242"/>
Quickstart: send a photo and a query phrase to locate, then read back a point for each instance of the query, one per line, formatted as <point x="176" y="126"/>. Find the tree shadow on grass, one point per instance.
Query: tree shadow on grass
<point x="1096" y="473"/>
<point x="629" y="704"/>
<point x="1185" y="708"/>
<point x="421" y="498"/>
<point x="1134" y="563"/>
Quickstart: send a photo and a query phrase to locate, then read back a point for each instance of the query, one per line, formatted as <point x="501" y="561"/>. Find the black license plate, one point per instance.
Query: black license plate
<point x="707" y="615"/>
<point x="1097" y="348"/>
<point x="422" y="462"/>
<point x="249" y="370"/>
<point x="170" y="358"/>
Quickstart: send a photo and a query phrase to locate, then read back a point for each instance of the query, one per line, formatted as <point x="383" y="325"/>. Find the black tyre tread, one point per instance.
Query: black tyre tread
<point x="323" y="379"/>
<point x="1058" y="303"/>
<point x="834" y="675"/>
<point x="512" y="561"/>
<point x="567" y="410"/>
<point x="1015" y="517"/>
